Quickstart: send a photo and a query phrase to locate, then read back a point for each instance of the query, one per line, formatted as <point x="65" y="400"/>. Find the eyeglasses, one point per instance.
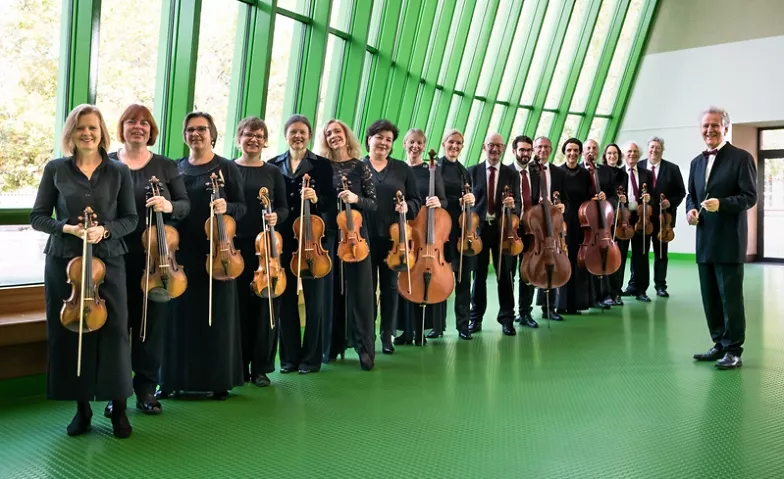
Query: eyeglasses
<point x="526" y="150"/>
<point x="499" y="146"/>
<point x="194" y="129"/>
<point x="258" y="136"/>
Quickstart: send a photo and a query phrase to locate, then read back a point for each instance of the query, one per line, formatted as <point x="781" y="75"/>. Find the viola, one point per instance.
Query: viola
<point x="470" y="243"/>
<point x="310" y="260"/>
<point x="224" y="262"/>
<point x="623" y="229"/>
<point x="432" y="279"/>
<point x="666" y="233"/>
<point x="562" y="236"/>
<point x="352" y="247"/>
<point x="84" y="311"/>
<point x="511" y="244"/>
<point x="269" y="280"/>
<point x="401" y="255"/>
<point x="598" y="253"/>
<point x="644" y="212"/>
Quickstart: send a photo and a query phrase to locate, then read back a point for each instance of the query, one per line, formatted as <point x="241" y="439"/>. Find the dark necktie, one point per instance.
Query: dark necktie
<point x="491" y="193"/>
<point x="635" y="189"/>
<point x="708" y="153"/>
<point x="526" y="189"/>
<point x="653" y="171"/>
<point x="544" y="182"/>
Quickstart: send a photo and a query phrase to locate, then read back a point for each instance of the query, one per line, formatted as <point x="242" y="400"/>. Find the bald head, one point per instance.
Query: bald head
<point x="590" y="150"/>
<point x="631" y="152"/>
<point x="494" y="147"/>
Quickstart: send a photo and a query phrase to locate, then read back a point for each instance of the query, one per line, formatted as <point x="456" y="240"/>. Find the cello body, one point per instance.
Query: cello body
<point x="598" y="253"/>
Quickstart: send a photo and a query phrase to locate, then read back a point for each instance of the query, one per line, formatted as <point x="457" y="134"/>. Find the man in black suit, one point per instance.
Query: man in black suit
<point x="637" y="201"/>
<point x="489" y="179"/>
<point x="723" y="185"/>
<point x="523" y="148"/>
<point x="668" y="181"/>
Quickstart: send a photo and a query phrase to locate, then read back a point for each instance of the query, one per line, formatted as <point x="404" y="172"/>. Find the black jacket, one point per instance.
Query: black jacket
<point x="669" y="182"/>
<point x="507" y="177"/>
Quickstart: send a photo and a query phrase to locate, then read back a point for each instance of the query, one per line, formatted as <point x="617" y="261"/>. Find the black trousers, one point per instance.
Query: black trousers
<point x="721" y="285"/>
<point x="147" y="352"/>
<point x="412" y="322"/>
<point x="385" y="282"/>
<point x="640" y="271"/>
<point x="259" y="337"/>
<point x="660" y="260"/>
<point x="525" y="292"/>
<point x="462" y="296"/>
<point x="490" y="240"/>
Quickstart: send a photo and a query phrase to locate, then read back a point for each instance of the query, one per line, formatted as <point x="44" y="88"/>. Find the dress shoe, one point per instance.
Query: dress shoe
<point x="149" y="406"/>
<point x="220" y="395"/>
<point x="433" y="334"/>
<point x="618" y="301"/>
<point x="527" y="320"/>
<point x="474" y="327"/>
<point x="365" y="362"/>
<point x="262" y="380"/>
<point x="729" y="361"/>
<point x="552" y="315"/>
<point x="644" y="298"/>
<point x="601" y="305"/>
<point x="509" y="330"/>
<point x="465" y="334"/>
<point x="120" y="425"/>
<point x="387" y="347"/>
<point x="401" y="341"/>
<point x="609" y="302"/>
<point x="662" y="293"/>
<point x="287" y="369"/>
<point x="107" y="411"/>
<point x="628" y="292"/>
<point x="420" y="341"/>
<point x="712" y="354"/>
<point x="80" y="424"/>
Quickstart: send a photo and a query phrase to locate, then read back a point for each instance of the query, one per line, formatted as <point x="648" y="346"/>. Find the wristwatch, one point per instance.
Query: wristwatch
<point x="106" y="233"/>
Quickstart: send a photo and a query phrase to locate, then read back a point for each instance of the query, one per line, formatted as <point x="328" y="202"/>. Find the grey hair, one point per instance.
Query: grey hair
<point x="658" y="140"/>
<point x="725" y="117"/>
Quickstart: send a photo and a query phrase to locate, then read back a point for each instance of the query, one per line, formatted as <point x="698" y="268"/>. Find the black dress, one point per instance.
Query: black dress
<point x="259" y="338"/>
<point x="146" y="354"/>
<point x="106" y="358"/>
<point x="576" y="294"/>
<point x="199" y="357"/>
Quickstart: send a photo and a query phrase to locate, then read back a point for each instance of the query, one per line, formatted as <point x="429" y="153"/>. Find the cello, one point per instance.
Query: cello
<point x="84" y="311"/>
<point x="352" y="247"/>
<point x="310" y="257"/>
<point x="432" y="279"/>
<point x="598" y="253"/>
<point x="269" y="280"/>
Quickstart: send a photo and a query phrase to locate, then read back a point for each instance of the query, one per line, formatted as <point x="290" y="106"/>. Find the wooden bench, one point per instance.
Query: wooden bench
<point x="22" y="331"/>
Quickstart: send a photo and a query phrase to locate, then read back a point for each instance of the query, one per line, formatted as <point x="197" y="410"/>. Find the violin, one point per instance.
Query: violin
<point x="598" y="253"/>
<point x="546" y="265"/>
<point x="644" y="225"/>
<point x="84" y="311"/>
<point x="310" y="257"/>
<point x="623" y="229"/>
<point x="562" y="238"/>
<point x="469" y="243"/>
<point x="432" y="279"/>
<point x="163" y="278"/>
<point x="224" y="262"/>
<point x="401" y="255"/>
<point x="352" y="247"/>
<point x="666" y="233"/>
<point x="511" y="244"/>
<point x="269" y="280"/>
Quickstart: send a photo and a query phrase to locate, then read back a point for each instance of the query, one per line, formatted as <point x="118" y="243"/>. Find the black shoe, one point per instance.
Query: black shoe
<point x="662" y="293"/>
<point x="552" y="315"/>
<point x="107" y="411"/>
<point x="420" y="341"/>
<point x="618" y="301"/>
<point x="465" y="334"/>
<point x="729" y="361"/>
<point x="287" y="369"/>
<point x="433" y="334"/>
<point x="474" y="327"/>
<point x="401" y="341"/>
<point x="601" y="305"/>
<point x="365" y="362"/>
<point x="220" y="395"/>
<point x="508" y="330"/>
<point x="149" y="406"/>
<point x="387" y="347"/>
<point x="644" y="298"/>
<point x="527" y="320"/>
<point x="609" y="302"/>
<point x="262" y="380"/>
<point x="712" y="354"/>
<point x="81" y="423"/>
<point x="629" y="292"/>
<point x="120" y="425"/>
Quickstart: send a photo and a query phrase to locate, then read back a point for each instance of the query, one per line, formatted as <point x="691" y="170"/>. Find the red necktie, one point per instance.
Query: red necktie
<point x="526" y="189"/>
<point x="544" y="181"/>
<point x="491" y="191"/>
<point x="653" y="170"/>
<point x="634" y="184"/>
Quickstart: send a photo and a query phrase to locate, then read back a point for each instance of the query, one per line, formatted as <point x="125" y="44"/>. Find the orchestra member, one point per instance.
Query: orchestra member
<point x="723" y="185"/>
<point x="612" y="158"/>
<point x="354" y="298"/>
<point x="200" y="357"/>
<point x="640" y="246"/>
<point x="259" y="333"/>
<point x="298" y="352"/>
<point x="489" y="178"/>
<point x="607" y="190"/>
<point x="410" y="314"/>
<point x="87" y="178"/>
<point x="523" y="148"/>
<point x="389" y="176"/>
<point x="137" y="131"/>
<point x="667" y="181"/>
<point x="455" y="176"/>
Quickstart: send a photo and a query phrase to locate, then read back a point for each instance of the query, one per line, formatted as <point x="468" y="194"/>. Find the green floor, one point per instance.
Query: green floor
<point x="601" y="395"/>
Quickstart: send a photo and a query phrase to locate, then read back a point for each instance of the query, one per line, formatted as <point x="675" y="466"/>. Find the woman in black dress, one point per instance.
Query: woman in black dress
<point x="349" y="297"/>
<point x="69" y="185"/>
<point x="137" y="131"/>
<point x="612" y="157"/>
<point x="200" y="357"/>
<point x="409" y="314"/>
<point x="259" y="333"/>
<point x="298" y="353"/>
<point x="389" y="176"/>
<point x="575" y="295"/>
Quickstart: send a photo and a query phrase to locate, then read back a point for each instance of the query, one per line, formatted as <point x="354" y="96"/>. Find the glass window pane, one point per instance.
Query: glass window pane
<point x="450" y="56"/>
<point x="363" y="89"/>
<point x="340" y="17"/>
<point x="284" y="72"/>
<point x="213" y="68"/>
<point x="375" y="23"/>
<point x="592" y="57"/>
<point x="772" y="139"/>
<point x="495" y="118"/>
<point x="454" y="105"/>
<point x="511" y="71"/>
<point x="433" y="31"/>
<point x="568" y="50"/>
<point x="473" y="118"/>
<point x="26" y="264"/>
<point x="570" y="130"/>
<point x="330" y="78"/>
<point x="545" y="122"/>
<point x="542" y="47"/>
<point x="620" y="58"/>
<point x="598" y="126"/>
<point x="127" y="75"/>
<point x="29" y="62"/>
<point x="297" y="6"/>
<point x="432" y="116"/>
<point x="497" y="34"/>
<point x="470" y="48"/>
<point x="517" y="129"/>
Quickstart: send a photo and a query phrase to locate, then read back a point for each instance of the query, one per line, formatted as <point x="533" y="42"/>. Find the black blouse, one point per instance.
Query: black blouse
<point x="65" y="190"/>
<point x="455" y="176"/>
<point x="360" y="182"/>
<point x="395" y="176"/>
<point x="254" y="178"/>
<point x="172" y="188"/>
<point x="422" y="177"/>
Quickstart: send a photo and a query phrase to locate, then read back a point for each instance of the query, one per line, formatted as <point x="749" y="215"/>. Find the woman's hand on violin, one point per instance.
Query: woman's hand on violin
<point x="469" y="199"/>
<point x="75" y="230"/>
<point x="95" y="234"/>
<point x="693" y="217"/>
<point x="433" y="202"/>
<point x="665" y="203"/>
<point x="601" y="196"/>
<point x="509" y="202"/>
<point x="402" y="207"/>
<point x="646" y="198"/>
<point x="219" y="206"/>
<point x="310" y="194"/>
<point x="159" y="204"/>
<point x="271" y="218"/>
<point x="348" y="197"/>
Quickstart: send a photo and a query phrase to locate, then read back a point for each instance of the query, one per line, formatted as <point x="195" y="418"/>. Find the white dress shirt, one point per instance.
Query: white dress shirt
<point x="495" y="186"/>
<point x="630" y="198"/>
<point x="711" y="160"/>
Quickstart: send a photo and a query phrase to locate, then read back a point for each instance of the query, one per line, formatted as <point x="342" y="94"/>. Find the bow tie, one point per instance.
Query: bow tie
<point x="708" y="153"/>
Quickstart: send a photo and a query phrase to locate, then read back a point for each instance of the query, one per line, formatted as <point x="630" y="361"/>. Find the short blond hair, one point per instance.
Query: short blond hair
<point x="72" y="122"/>
<point x="415" y="133"/>
<point x="352" y="143"/>
<point x="451" y="132"/>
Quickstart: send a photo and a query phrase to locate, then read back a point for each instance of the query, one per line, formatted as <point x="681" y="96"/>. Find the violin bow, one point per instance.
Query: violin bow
<point x="661" y="222"/>
<point x="267" y="246"/>
<point x="501" y="244"/>
<point x="405" y="242"/>
<point x="81" y="299"/>
<point x="301" y="224"/>
<point x="462" y="241"/>
<point x="644" y="211"/>
<point x="143" y="332"/>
